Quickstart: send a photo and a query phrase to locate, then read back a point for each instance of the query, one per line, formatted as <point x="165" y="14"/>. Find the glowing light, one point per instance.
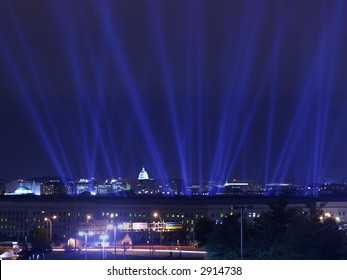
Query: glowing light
<point x="103" y="237"/>
<point x="327" y="215"/>
<point x="143" y="175"/>
<point x="111" y="227"/>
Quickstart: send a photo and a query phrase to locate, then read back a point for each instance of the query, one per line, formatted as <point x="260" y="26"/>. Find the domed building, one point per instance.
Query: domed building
<point x="143" y="175"/>
<point x="23" y="190"/>
<point x="145" y="185"/>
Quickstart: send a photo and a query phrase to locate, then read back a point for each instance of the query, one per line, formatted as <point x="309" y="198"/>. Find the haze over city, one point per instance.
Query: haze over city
<point x="189" y="89"/>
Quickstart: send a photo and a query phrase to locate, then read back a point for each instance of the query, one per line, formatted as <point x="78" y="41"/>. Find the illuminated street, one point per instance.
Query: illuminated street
<point x="159" y="252"/>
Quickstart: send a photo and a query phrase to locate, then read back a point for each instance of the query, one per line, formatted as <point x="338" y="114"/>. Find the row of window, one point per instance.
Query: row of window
<point x="51" y="214"/>
<point x="111" y="215"/>
<point x="13" y="213"/>
<point x="17" y="216"/>
<point x="25" y="227"/>
<point x="18" y="220"/>
<point x="121" y="215"/>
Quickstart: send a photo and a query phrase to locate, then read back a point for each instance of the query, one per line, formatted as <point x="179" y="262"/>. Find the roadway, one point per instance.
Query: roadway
<point x="133" y="252"/>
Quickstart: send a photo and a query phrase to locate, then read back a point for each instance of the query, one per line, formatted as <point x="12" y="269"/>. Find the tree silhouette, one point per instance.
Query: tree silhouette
<point x="203" y="227"/>
<point x="39" y="239"/>
<point x="280" y="233"/>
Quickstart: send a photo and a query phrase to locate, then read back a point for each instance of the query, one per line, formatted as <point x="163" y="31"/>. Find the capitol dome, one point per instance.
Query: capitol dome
<point x="143" y="175"/>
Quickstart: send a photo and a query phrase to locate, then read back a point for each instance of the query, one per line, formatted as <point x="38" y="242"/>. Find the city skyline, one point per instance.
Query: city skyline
<point x="190" y="90"/>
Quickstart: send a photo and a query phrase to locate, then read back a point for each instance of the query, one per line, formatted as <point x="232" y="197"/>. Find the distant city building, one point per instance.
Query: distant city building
<point x="237" y="187"/>
<point x="275" y="189"/>
<point x="104" y="189"/>
<point x="86" y="186"/>
<point x="215" y="186"/>
<point x="332" y="188"/>
<point x="146" y="185"/>
<point x="19" y="186"/>
<point x="119" y="185"/>
<point x="176" y="186"/>
<point x="197" y="189"/>
<point x="53" y="187"/>
<point x="143" y="175"/>
<point x="23" y="190"/>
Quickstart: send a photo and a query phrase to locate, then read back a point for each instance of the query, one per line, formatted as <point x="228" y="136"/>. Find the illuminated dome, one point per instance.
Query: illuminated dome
<point x="23" y="190"/>
<point x="143" y="175"/>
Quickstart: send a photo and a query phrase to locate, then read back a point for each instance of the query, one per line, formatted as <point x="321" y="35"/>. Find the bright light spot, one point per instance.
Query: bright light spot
<point x="327" y="215"/>
<point x="103" y="237"/>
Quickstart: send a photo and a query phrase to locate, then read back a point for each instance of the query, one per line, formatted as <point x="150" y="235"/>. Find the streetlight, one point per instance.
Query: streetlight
<point x="103" y="238"/>
<point x="89" y="217"/>
<point x="48" y="220"/>
<point x="150" y="242"/>
<point x="242" y="207"/>
<point x="193" y="232"/>
<point x="156" y="215"/>
<point x="81" y="233"/>
<point x="114" y="227"/>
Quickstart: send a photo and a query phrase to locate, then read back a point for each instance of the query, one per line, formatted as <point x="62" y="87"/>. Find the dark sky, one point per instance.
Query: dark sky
<point x="188" y="89"/>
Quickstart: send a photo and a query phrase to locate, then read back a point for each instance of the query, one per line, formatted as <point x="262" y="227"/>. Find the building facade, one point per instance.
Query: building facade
<point x="20" y="214"/>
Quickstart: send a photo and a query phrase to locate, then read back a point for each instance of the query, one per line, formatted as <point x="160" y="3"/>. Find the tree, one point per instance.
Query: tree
<point x="224" y="240"/>
<point x="281" y="233"/>
<point x="202" y="228"/>
<point x="39" y="239"/>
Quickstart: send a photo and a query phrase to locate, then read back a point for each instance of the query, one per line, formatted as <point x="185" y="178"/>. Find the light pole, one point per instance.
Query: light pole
<point x="103" y="238"/>
<point x="86" y="233"/>
<point x="150" y="237"/>
<point x="48" y="220"/>
<point x="89" y="217"/>
<point x="193" y="233"/>
<point x="156" y="215"/>
<point x="114" y="227"/>
<point x="242" y="207"/>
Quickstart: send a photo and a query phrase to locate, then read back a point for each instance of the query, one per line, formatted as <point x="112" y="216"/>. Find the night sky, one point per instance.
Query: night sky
<point x="188" y="89"/>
